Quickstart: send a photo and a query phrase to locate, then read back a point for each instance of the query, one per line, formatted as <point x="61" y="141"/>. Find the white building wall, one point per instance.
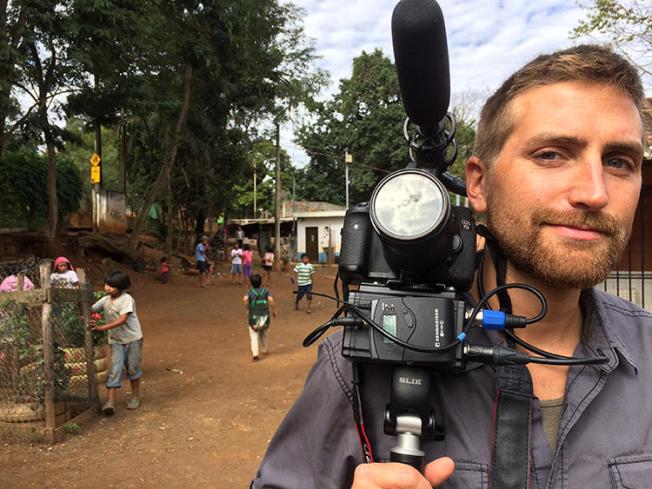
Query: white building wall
<point x="334" y="224"/>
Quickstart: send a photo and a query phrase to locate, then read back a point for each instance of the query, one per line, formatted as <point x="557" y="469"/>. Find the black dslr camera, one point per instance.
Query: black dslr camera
<point x="412" y="253"/>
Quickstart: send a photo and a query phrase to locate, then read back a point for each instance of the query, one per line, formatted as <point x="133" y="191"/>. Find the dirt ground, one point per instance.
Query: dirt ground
<point x="208" y="410"/>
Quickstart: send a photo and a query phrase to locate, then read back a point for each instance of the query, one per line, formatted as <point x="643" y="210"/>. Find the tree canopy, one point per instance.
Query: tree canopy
<point x="180" y="87"/>
<point x="366" y="118"/>
<point x="627" y="24"/>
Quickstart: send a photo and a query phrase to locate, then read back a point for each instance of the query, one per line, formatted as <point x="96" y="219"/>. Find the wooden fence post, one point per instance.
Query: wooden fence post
<point x="93" y="393"/>
<point x="48" y="354"/>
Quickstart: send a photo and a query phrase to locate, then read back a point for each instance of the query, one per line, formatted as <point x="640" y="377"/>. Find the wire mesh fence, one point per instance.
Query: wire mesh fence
<point x="50" y="363"/>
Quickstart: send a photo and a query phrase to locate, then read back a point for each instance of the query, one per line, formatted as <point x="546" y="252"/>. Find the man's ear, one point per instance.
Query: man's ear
<point x="476" y="183"/>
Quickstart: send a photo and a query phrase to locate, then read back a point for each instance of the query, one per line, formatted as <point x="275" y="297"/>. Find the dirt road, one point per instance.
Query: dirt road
<point x="208" y="410"/>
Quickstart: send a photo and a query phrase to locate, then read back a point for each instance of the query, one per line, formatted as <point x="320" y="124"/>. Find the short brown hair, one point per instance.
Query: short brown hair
<point x="587" y="62"/>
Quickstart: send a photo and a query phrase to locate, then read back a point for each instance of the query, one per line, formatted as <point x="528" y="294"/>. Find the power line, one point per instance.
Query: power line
<point x="335" y="157"/>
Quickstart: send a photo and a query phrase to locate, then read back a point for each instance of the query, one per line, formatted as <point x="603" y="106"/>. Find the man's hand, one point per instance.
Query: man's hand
<point x="274" y="313"/>
<point x="401" y="476"/>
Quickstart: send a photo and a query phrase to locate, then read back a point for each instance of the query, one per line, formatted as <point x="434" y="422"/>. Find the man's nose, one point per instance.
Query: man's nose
<point x="589" y="190"/>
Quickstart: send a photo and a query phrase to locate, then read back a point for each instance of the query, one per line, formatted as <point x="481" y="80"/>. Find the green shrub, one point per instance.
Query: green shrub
<point x="23" y="189"/>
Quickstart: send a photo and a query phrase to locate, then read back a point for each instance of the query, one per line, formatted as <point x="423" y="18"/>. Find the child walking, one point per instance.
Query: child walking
<point x="236" y="263"/>
<point x="247" y="259"/>
<point x="268" y="264"/>
<point x="257" y="303"/>
<point x="304" y="271"/>
<point x="165" y="270"/>
<point x="125" y="338"/>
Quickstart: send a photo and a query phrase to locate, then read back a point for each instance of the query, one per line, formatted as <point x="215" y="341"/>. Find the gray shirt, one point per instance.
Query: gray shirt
<point x="113" y="309"/>
<point x="605" y="432"/>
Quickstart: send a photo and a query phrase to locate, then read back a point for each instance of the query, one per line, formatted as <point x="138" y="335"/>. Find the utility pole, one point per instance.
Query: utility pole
<point x="348" y="159"/>
<point x="97" y="186"/>
<point x="277" y="201"/>
<point x="254" y="192"/>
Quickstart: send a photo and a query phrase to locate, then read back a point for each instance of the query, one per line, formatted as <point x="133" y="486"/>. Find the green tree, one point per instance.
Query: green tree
<point x="366" y="117"/>
<point x="627" y="24"/>
<point x="23" y="184"/>
<point x="13" y="20"/>
<point x="261" y="163"/>
<point x="45" y="74"/>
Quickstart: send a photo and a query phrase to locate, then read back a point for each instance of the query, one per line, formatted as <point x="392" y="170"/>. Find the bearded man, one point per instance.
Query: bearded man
<point x="556" y="169"/>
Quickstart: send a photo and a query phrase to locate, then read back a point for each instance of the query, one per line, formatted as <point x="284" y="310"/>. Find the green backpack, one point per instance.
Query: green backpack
<point x="258" y="309"/>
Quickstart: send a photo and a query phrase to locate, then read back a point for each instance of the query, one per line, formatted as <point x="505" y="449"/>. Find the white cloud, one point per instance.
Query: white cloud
<point x="487" y="39"/>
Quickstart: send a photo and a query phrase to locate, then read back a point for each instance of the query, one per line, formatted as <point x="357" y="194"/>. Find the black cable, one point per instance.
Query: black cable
<point x="569" y="360"/>
<point x="375" y="326"/>
<point x="485" y="298"/>
<point x="549" y="358"/>
<point x="510" y="334"/>
<point x="533" y="348"/>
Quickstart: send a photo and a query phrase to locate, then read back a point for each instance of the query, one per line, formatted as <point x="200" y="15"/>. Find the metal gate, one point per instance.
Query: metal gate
<point x="633" y="278"/>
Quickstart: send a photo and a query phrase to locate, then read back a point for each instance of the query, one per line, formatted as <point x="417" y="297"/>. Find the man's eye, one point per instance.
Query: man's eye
<point x="617" y="163"/>
<point x="548" y="155"/>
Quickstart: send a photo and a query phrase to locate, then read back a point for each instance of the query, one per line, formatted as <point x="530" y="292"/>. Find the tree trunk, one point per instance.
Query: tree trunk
<point x="200" y="220"/>
<point x="170" y="219"/>
<point x="53" y="209"/>
<point x="123" y="158"/>
<point x="154" y="190"/>
<point x="97" y="148"/>
<point x="277" y="201"/>
<point x="2" y="133"/>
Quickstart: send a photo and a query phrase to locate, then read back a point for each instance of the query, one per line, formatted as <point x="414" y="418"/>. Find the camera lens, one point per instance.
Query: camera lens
<point x="408" y="205"/>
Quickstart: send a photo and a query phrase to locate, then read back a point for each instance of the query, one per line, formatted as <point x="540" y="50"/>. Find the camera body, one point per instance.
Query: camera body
<point x="411" y="270"/>
<point x="365" y="258"/>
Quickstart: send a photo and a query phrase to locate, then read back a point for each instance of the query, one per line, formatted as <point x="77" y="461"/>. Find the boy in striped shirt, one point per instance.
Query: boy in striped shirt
<point x="304" y="271"/>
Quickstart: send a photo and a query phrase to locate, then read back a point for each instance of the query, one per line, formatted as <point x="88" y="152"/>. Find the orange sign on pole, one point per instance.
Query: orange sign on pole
<point x="95" y="174"/>
<point x="95" y="159"/>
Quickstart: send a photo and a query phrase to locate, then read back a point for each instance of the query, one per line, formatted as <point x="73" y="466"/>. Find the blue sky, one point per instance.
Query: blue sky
<point x="487" y="39"/>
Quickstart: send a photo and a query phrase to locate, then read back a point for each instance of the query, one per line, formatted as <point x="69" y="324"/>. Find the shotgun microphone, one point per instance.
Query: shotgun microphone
<point x="421" y="56"/>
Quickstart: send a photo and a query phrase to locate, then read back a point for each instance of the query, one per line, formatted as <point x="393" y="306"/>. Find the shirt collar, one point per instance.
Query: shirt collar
<point x="600" y="335"/>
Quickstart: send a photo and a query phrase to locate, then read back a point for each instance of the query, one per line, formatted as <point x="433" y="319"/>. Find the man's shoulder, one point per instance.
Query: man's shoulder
<point x="628" y="327"/>
<point x="617" y="307"/>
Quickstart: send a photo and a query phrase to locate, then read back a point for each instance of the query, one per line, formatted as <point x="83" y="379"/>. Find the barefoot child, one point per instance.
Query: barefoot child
<point x="125" y="338"/>
<point x="257" y="303"/>
<point x="165" y="270"/>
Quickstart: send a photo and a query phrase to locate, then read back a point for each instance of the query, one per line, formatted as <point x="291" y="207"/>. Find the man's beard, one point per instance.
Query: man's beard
<point x="573" y="264"/>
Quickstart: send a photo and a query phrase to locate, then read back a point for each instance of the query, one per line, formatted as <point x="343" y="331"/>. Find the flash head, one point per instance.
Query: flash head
<point x="411" y="212"/>
<point x="408" y="205"/>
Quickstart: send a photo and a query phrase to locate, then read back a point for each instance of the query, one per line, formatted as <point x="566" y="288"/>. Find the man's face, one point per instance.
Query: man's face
<point x="562" y="194"/>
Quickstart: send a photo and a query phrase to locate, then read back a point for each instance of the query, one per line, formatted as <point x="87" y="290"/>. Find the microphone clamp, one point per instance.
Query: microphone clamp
<point x="432" y="147"/>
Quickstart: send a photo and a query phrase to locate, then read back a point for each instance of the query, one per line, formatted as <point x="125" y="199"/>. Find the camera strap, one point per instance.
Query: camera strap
<point x="511" y="441"/>
<point x="356" y="404"/>
<point x="510" y="465"/>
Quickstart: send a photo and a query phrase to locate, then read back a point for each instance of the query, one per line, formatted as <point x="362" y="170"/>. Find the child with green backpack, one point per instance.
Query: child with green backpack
<point x="257" y="302"/>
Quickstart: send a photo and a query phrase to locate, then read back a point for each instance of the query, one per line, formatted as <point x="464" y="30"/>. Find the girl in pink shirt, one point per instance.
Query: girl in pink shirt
<point x="247" y="258"/>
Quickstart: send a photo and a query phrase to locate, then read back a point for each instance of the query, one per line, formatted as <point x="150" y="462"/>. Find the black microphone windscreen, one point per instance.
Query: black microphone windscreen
<point x="421" y="56"/>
